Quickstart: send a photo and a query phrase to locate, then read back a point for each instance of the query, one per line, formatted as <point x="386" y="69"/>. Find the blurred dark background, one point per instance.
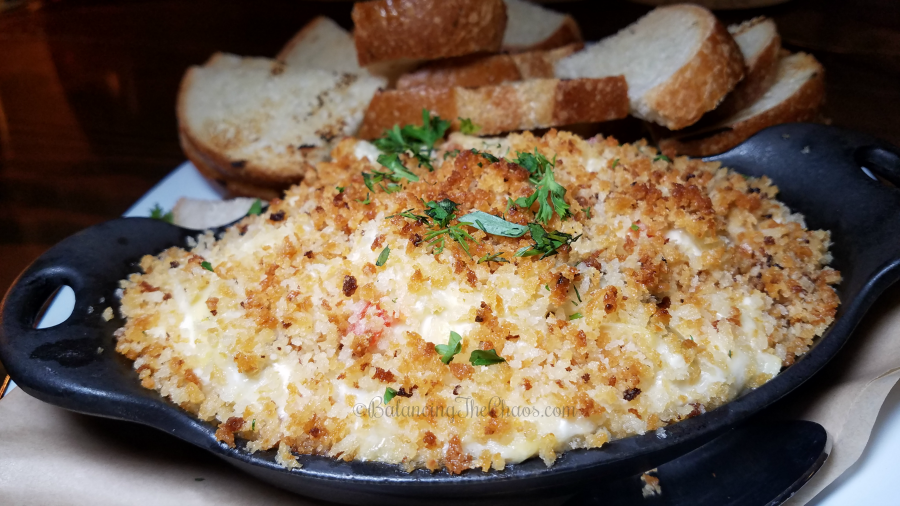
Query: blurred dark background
<point x="87" y="90"/>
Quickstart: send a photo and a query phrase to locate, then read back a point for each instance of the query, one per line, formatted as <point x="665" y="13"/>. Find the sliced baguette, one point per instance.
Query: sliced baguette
<point x="524" y="105"/>
<point x="390" y="30"/>
<point x="530" y="27"/>
<point x="226" y="184"/>
<point x="796" y="95"/>
<point x="476" y="70"/>
<point x="323" y="44"/>
<point x="760" y="43"/>
<point x="263" y="123"/>
<point x="679" y="62"/>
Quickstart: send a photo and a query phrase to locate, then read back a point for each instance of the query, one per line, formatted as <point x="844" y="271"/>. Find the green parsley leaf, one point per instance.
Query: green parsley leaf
<point x="340" y="189"/>
<point x="492" y="257"/>
<point x="448" y="154"/>
<point x="491" y="158"/>
<point x="546" y="187"/>
<point x="692" y="337"/>
<point x="545" y="243"/>
<point x="442" y="211"/>
<point x="547" y="287"/>
<point x="158" y="213"/>
<point x="587" y="212"/>
<point x="255" y="208"/>
<point x="489" y="357"/>
<point x="467" y="127"/>
<point x="494" y="225"/>
<point x="365" y="202"/>
<point x="729" y="353"/>
<point x="575" y="316"/>
<point x="417" y="141"/>
<point x="392" y="162"/>
<point x="635" y="227"/>
<point x="206" y="265"/>
<point x="253" y="425"/>
<point x="389" y="393"/>
<point x="576" y="293"/>
<point x="615" y="162"/>
<point x="453" y="346"/>
<point x="382" y="258"/>
<point x="663" y="158"/>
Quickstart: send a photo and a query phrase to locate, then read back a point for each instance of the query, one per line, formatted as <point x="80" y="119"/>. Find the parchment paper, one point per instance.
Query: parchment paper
<point x="49" y="456"/>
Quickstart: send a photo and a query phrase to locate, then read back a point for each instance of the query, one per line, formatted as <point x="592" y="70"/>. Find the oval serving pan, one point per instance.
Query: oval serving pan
<point x="74" y="365"/>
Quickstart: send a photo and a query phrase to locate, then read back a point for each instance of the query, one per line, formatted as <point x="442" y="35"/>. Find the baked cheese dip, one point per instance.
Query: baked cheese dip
<point x="527" y="296"/>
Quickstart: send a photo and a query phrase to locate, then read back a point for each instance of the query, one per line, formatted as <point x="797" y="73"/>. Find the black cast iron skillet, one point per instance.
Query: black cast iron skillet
<point x="74" y="365"/>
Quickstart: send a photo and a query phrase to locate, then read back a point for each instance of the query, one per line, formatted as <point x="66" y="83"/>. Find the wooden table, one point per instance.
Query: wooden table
<point x="87" y="90"/>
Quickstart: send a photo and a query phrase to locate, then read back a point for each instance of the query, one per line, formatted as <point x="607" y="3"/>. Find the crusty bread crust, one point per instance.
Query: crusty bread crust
<point x="759" y="75"/>
<point x="472" y="71"/>
<point x="701" y="84"/>
<point x="567" y="33"/>
<point x="802" y="105"/>
<point x="524" y="105"/>
<point x="299" y="37"/>
<point x="230" y="187"/>
<point x="426" y="29"/>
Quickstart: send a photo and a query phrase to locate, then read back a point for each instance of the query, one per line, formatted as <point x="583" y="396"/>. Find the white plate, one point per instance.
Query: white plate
<point x="868" y="482"/>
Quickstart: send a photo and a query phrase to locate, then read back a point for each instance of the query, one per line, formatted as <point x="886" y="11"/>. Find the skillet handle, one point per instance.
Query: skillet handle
<point x="818" y="170"/>
<point x="74" y="365"/>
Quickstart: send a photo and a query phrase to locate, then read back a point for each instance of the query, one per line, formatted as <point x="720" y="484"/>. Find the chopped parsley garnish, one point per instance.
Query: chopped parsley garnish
<point x="615" y="162"/>
<point x="576" y="293"/>
<point x="575" y="316"/>
<point x="494" y="225"/>
<point x="417" y="141"/>
<point x="206" y="265"/>
<point x="545" y="243"/>
<point x="253" y="425"/>
<point x="482" y="357"/>
<point x="493" y="257"/>
<point x="453" y="346"/>
<point x="491" y="158"/>
<point x="442" y="213"/>
<point x="382" y="258"/>
<point x="448" y="154"/>
<point x="467" y="127"/>
<point x="365" y="202"/>
<point x="546" y="187"/>
<point x="389" y="393"/>
<point x="255" y="208"/>
<point x="729" y="353"/>
<point x="692" y="337"/>
<point x="663" y="158"/>
<point x="587" y="212"/>
<point x="635" y="227"/>
<point x="340" y="189"/>
<point x="158" y="213"/>
<point x="547" y="287"/>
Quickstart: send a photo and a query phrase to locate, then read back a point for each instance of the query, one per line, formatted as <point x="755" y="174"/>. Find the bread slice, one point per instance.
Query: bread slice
<point x="760" y="43"/>
<point x="523" y="105"/>
<point x="261" y="122"/>
<point x="226" y="184"/>
<point x="323" y="44"/>
<point x="679" y="62"/>
<point x="387" y="30"/>
<point x="796" y="95"/>
<point x="530" y="27"/>
<point x="199" y="214"/>
<point x="477" y="70"/>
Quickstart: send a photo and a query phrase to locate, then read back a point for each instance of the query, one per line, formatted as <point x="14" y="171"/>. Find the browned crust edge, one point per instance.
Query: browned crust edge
<point x="229" y="186"/>
<point x="426" y="29"/>
<point x="759" y="78"/>
<point x="803" y="105"/>
<point x="701" y="84"/>
<point x="298" y="38"/>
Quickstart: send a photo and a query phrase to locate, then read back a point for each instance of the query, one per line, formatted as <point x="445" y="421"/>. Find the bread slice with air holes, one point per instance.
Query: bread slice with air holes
<point x="323" y="44"/>
<point x="679" y="61"/>
<point x="478" y="70"/>
<point x="264" y="123"/>
<point x="523" y="105"/>
<point x="416" y="30"/>
<point x="796" y="95"/>
<point x="531" y="27"/>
